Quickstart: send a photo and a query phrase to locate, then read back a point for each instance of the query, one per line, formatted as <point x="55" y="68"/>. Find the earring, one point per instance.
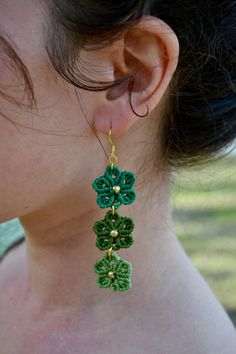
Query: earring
<point x="114" y="232"/>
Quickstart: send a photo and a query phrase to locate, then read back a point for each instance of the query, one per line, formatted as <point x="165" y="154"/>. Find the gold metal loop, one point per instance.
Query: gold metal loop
<point x="113" y="210"/>
<point x="113" y="158"/>
<point x="110" y="252"/>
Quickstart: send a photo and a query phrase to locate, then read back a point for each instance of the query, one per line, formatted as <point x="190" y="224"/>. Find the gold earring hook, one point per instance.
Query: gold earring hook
<point x="110" y="137"/>
<point x="113" y="159"/>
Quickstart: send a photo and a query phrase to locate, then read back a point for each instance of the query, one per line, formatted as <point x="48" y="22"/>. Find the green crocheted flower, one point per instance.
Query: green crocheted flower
<point x="114" y="231"/>
<point x="114" y="188"/>
<point x="114" y="273"/>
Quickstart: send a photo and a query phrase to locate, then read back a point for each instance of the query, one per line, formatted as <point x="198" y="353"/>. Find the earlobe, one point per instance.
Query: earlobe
<point x="149" y="53"/>
<point x="116" y="114"/>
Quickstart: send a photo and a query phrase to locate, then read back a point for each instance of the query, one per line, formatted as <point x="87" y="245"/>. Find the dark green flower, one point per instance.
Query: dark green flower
<point x="113" y="273"/>
<point x="114" y="188"/>
<point x="114" y="231"/>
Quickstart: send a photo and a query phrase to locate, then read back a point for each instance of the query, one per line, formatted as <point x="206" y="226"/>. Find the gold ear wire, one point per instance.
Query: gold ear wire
<point x="110" y="137"/>
<point x="113" y="159"/>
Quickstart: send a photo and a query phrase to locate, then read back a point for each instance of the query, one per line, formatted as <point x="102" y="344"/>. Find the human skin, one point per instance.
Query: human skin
<point x="49" y="299"/>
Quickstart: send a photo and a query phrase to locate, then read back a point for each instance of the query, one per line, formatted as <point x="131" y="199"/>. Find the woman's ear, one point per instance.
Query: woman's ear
<point x="149" y="52"/>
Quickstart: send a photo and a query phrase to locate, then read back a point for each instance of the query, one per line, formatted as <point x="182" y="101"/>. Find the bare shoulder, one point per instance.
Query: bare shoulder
<point x="195" y="321"/>
<point x="205" y="333"/>
<point x="12" y="260"/>
<point x="11" y="273"/>
<point x="12" y="268"/>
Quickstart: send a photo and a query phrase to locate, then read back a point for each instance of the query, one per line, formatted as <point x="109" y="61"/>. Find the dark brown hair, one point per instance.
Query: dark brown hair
<point x="200" y="121"/>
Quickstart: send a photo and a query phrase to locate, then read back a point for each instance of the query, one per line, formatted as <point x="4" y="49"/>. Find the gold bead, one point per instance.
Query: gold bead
<point x="113" y="233"/>
<point x="111" y="275"/>
<point x="116" y="189"/>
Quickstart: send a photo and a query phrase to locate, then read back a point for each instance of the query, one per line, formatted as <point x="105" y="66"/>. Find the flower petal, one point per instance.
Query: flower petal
<point x="113" y="175"/>
<point x="104" y="243"/>
<point x="124" y="241"/>
<point x="105" y="200"/>
<point x="127" y="196"/>
<point x="118" y="200"/>
<point x="127" y="180"/>
<point x="101" y="228"/>
<point x="126" y="226"/>
<point x="114" y="262"/>
<point x="112" y="220"/>
<point x="101" y="266"/>
<point x="101" y="184"/>
<point x="121" y="284"/>
<point x="115" y="245"/>
<point x="104" y="281"/>
<point x="124" y="269"/>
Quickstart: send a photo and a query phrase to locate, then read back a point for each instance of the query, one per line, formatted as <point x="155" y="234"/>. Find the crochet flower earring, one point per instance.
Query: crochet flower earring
<point x="114" y="232"/>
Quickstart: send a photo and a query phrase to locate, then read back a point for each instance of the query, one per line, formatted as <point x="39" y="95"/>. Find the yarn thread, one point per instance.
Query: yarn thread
<point x="120" y="273"/>
<point x="107" y="195"/>
<point x="114" y="231"/>
<point x="114" y="188"/>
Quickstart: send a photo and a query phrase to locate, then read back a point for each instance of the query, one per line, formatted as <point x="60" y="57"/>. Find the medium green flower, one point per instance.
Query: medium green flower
<point x="113" y="273"/>
<point x="114" y="231"/>
<point x="114" y="188"/>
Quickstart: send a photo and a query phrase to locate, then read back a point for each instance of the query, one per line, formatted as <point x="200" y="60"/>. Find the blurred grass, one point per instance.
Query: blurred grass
<point x="204" y="214"/>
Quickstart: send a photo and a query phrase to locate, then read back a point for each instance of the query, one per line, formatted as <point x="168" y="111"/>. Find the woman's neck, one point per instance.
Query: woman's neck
<point x="58" y="302"/>
<point x="60" y="252"/>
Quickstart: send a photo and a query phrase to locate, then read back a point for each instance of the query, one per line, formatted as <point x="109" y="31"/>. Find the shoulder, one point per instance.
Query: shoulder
<point x="12" y="271"/>
<point x="197" y="323"/>
<point x="12" y="264"/>
<point x="186" y="316"/>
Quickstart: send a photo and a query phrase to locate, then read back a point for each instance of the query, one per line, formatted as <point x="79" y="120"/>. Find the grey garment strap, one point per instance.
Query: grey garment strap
<point x="11" y="234"/>
<point x="8" y="245"/>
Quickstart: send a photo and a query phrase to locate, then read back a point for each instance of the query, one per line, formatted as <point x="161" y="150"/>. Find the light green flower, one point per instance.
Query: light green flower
<point x="114" y="273"/>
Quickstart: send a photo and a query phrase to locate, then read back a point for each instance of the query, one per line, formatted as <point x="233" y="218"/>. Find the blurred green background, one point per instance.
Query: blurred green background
<point x="204" y="213"/>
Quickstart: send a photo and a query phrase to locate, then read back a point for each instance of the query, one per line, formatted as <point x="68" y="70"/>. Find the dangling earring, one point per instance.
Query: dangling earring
<point x="114" y="188"/>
